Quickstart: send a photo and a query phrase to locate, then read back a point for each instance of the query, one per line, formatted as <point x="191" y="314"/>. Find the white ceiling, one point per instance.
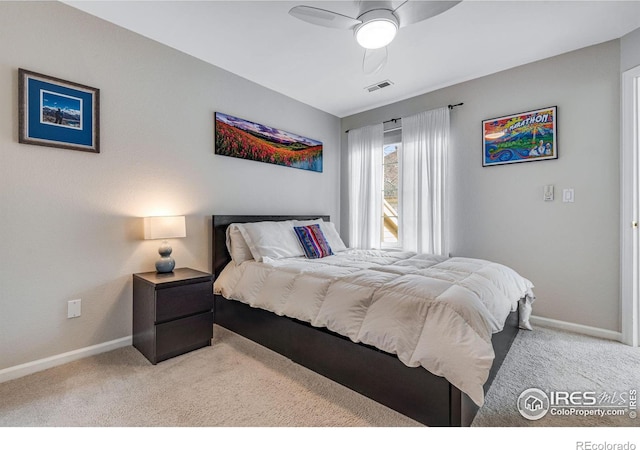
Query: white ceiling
<point x="322" y="67"/>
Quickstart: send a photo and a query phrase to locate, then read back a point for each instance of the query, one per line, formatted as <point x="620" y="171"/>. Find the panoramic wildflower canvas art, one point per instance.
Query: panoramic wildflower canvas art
<point x="241" y="138"/>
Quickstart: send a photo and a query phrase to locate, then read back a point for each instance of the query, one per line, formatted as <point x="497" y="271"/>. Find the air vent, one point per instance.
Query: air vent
<point x="380" y="85"/>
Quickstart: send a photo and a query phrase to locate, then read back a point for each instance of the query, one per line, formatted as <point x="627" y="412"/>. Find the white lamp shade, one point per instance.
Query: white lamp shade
<point x="164" y="227"/>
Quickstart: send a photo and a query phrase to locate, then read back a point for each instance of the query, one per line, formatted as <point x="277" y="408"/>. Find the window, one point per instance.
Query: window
<point x="390" y="184"/>
<point x="397" y="172"/>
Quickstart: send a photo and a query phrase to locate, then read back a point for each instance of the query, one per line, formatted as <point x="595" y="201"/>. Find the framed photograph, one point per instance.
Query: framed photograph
<point x="523" y="137"/>
<point x="241" y="138"/>
<point x="58" y="113"/>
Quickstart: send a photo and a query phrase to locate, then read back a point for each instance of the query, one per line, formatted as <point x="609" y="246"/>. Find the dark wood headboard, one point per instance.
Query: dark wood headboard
<point x="220" y="255"/>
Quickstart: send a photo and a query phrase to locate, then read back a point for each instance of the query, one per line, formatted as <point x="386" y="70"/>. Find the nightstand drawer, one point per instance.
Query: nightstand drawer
<point x="181" y="301"/>
<point x="183" y="335"/>
<point x="172" y="312"/>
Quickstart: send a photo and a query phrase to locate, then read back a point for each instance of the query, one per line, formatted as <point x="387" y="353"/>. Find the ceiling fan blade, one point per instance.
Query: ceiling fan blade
<point x="416" y="11"/>
<point x="323" y="17"/>
<point x="374" y="60"/>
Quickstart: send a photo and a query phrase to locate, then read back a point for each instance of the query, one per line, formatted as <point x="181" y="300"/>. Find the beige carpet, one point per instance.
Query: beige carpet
<point x="236" y="383"/>
<point x="557" y="361"/>
<point x="233" y="383"/>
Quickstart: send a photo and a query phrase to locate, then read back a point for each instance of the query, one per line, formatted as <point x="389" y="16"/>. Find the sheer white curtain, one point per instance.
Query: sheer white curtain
<point x="365" y="186"/>
<point x="423" y="182"/>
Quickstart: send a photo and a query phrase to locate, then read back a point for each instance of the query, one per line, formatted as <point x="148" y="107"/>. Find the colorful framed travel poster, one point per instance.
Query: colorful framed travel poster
<point x="523" y="137"/>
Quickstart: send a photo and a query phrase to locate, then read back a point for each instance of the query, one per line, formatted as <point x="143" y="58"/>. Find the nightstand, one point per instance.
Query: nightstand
<point x="172" y="312"/>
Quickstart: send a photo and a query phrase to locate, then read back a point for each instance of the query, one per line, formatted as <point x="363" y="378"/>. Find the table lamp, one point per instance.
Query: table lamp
<point x="164" y="228"/>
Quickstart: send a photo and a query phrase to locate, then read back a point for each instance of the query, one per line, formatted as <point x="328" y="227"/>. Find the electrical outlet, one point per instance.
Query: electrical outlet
<point x="73" y="308"/>
<point x="567" y="195"/>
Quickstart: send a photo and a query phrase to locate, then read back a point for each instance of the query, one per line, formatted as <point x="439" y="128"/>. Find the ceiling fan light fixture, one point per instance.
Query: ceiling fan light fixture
<point x="377" y="30"/>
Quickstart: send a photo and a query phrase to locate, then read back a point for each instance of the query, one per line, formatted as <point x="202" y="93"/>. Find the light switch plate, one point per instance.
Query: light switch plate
<point x="548" y="193"/>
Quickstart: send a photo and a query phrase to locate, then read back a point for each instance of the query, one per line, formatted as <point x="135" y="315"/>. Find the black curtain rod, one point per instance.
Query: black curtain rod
<point x="399" y="118"/>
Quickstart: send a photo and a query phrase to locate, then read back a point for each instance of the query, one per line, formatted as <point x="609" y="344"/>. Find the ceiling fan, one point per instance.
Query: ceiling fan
<point x="376" y="25"/>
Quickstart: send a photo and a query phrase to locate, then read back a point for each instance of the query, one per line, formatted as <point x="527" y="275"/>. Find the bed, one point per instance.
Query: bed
<point x="383" y="376"/>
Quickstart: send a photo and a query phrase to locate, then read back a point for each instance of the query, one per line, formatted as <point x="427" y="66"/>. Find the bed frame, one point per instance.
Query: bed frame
<point x="412" y="391"/>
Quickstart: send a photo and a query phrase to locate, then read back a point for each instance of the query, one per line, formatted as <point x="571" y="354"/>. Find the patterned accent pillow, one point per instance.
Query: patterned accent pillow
<point x="313" y="242"/>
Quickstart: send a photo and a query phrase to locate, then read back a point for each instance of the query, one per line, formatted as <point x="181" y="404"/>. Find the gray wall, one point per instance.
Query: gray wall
<point x="570" y="251"/>
<point x="70" y="220"/>
<point x="630" y="50"/>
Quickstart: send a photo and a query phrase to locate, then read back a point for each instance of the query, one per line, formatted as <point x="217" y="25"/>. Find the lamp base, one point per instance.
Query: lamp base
<point x="166" y="263"/>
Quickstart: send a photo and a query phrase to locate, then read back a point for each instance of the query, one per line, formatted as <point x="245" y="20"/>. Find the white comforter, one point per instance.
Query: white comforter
<point x="430" y="311"/>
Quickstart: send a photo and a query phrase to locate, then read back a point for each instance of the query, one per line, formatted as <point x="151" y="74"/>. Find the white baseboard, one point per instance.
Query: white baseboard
<point x="577" y="328"/>
<point x="21" y="370"/>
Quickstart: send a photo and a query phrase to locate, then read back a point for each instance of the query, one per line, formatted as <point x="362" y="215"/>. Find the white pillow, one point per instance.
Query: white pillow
<point x="273" y="240"/>
<point x="329" y="231"/>
<point x="237" y="245"/>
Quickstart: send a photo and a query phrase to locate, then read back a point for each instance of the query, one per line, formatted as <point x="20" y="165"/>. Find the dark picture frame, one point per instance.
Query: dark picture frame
<point x="523" y="137"/>
<point x="241" y="138"/>
<point x="58" y="113"/>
